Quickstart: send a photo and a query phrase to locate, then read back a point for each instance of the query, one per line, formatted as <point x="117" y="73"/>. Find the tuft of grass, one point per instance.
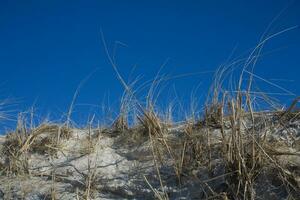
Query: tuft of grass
<point x="18" y="145"/>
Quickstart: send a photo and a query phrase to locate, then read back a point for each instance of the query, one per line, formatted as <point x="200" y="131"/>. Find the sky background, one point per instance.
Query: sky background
<point x="48" y="47"/>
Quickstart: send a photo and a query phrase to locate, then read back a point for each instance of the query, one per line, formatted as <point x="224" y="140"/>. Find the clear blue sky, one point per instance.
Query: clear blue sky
<point x="48" y="47"/>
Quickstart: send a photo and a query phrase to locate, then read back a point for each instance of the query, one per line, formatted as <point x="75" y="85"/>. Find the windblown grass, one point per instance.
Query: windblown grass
<point x="231" y="151"/>
<point x="44" y="139"/>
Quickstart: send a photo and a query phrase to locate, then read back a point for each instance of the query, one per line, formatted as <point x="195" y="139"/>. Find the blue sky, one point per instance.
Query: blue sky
<point x="48" y="47"/>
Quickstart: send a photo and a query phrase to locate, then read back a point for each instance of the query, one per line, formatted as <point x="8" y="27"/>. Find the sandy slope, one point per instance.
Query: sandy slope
<point x="117" y="168"/>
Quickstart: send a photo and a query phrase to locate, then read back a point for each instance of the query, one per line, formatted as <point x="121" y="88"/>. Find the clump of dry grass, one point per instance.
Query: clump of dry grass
<point x="18" y="145"/>
<point x="16" y="161"/>
<point x="120" y="125"/>
<point x="48" y="138"/>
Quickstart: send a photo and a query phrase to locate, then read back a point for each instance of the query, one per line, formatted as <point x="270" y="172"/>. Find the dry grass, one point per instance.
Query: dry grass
<point x="18" y="145"/>
<point x="232" y="143"/>
<point x="230" y="135"/>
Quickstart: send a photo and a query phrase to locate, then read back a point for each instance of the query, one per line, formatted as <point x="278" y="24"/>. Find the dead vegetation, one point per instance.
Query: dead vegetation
<point x="233" y="151"/>
<point x="229" y="153"/>
<point x="231" y="133"/>
<point x="18" y="145"/>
